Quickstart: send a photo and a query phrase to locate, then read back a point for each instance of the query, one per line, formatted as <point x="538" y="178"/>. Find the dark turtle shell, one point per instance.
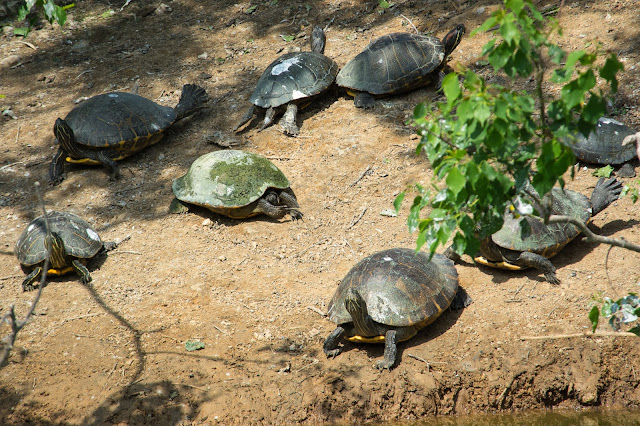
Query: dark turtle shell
<point x="393" y="63"/>
<point x="401" y="288"/>
<point x="228" y="179"/>
<point x="546" y="240"/>
<point x="604" y="144"/>
<point x="119" y="120"/>
<point x="294" y="76"/>
<point x="80" y="239"/>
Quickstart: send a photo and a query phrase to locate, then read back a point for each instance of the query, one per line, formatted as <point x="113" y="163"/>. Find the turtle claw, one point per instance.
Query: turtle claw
<point x="332" y="353"/>
<point x="290" y="129"/>
<point x="288" y="121"/>
<point x="364" y="100"/>
<point x="383" y="364"/>
<point x="552" y="278"/>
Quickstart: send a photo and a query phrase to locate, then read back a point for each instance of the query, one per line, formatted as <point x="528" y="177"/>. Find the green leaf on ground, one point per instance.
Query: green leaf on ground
<point x="193" y="345"/>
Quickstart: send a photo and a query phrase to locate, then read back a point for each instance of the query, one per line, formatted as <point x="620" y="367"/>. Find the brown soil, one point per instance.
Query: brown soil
<point x="251" y="290"/>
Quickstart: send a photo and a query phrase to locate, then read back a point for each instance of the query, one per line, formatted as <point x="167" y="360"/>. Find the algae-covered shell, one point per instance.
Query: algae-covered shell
<point x="229" y="179"/>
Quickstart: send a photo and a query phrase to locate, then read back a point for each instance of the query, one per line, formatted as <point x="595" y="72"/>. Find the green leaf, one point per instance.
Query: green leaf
<point x="288" y="38"/>
<point x="397" y="203"/>
<point x="451" y="87"/>
<point x="21" y="31"/>
<point x="455" y="180"/>
<point x="509" y="30"/>
<point x="481" y="112"/>
<point x="420" y="111"/>
<point x="604" y="172"/>
<point x="22" y="13"/>
<point x="193" y="345"/>
<point x="486" y="25"/>
<point x="635" y="330"/>
<point x="251" y="9"/>
<point x="556" y="53"/>
<point x="384" y="4"/>
<point x="610" y="69"/>
<point x="594" y="317"/>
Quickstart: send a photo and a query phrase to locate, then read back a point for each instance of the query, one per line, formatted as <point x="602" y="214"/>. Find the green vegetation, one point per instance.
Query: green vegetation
<point x="193" y="345"/>
<point x="487" y="141"/>
<point x="625" y="310"/>
<point x="604" y="172"/>
<point x="52" y="13"/>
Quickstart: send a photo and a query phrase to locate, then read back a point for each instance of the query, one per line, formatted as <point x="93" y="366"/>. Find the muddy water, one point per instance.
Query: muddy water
<point x="540" y="418"/>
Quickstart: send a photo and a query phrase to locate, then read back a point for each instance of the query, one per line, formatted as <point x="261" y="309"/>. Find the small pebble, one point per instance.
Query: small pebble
<point x="162" y="9"/>
<point x="207" y="222"/>
<point x="9" y="61"/>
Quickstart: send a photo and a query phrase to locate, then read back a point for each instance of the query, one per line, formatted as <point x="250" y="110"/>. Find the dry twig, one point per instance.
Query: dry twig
<point x="317" y="311"/>
<point x="590" y="236"/>
<point x="361" y="176"/>
<point x="569" y="336"/>
<point x="10" y="317"/>
<point x="364" y="210"/>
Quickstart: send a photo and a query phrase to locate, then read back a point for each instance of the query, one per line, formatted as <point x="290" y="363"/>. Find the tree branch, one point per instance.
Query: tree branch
<point x="590" y="236"/>
<point x="10" y="317"/>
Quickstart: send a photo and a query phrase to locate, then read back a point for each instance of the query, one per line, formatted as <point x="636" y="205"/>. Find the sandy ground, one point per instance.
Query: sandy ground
<point x="253" y="291"/>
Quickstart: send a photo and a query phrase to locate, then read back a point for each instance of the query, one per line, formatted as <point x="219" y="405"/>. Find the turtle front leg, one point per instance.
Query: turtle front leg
<point x="266" y="206"/>
<point x="439" y="79"/>
<point x="390" y="350"/>
<point x="451" y="254"/>
<point x="288" y="121"/>
<point x="82" y="270"/>
<point x="330" y="347"/>
<point x="104" y="158"/>
<point x="56" y="168"/>
<point x="268" y="118"/>
<point x="277" y="206"/>
<point x="364" y="100"/>
<point x="33" y="277"/>
<point x="248" y="115"/>
<point x="534" y="260"/>
<point x="288" y="198"/>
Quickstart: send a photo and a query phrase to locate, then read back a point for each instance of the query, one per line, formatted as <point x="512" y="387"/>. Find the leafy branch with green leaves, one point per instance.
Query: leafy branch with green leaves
<point x="52" y="12"/>
<point x="625" y="310"/>
<point x="488" y="143"/>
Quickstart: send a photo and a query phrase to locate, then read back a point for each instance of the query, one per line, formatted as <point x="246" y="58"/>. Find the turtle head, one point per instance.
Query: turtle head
<point x="55" y="246"/>
<point x="452" y="39"/>
<point x="363" y="324"/>
<point x="318" y="39"/>
<point x="64" y="134"/>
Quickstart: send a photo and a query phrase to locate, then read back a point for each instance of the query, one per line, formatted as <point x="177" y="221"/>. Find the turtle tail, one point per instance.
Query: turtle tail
<point x="193" y="96"/>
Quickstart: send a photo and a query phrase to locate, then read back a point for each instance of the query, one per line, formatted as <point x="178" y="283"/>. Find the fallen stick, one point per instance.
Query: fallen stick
<point x="568" y="336"/>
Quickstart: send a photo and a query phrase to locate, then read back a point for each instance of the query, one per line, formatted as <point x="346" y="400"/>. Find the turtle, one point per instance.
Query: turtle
<point x="389" y="296"/>
<point x="73" y="241"/>
<point x="237" y="184"/>
<point x="510" y="249"/>
<point x="292" y="80"/>
<point x="112" y="126"/>
<point x="396" y="63"/>
<point x="605" y="146"/>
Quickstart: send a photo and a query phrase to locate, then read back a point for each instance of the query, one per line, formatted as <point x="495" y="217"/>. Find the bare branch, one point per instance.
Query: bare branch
<point x="590" y="236"/>
<point x="10" y="317"/>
